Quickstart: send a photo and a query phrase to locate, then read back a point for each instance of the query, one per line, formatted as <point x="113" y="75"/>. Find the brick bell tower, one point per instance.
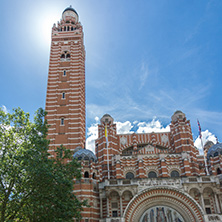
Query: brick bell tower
<point x="65" y="98"/>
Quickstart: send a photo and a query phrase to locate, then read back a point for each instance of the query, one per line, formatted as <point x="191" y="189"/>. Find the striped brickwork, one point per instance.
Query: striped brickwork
<point x="161" y="154"/>
<point x="65" y="98"/>
<point x="65" y="104"/>
<point x="146" y="169"/>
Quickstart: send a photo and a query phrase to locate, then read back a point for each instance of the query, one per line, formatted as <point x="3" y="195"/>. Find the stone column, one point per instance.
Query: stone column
<point x="101" y="207"/>
<point x="202" y="202"/>
<point x="220" y="200"/>
<point x="217" y="203"/>
<point x="107" y="203"/>
<point x="121" y="206"/>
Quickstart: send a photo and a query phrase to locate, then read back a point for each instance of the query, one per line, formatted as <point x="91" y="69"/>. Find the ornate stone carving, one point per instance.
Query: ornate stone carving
<point x="164" y="138"/>
<point x="123" y="140"/>
<point x="147" y="183"/>
<point x="161" y="213"/>
<point x="182" y="203"/>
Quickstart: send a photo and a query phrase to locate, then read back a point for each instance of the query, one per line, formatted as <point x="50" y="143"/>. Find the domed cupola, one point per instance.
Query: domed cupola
<point x="84" y="154"/>
<point x="178" y="115"/>
<point x="70" y="9"/>
<point x="107" y="119"/>
<point x="69" y="14"/>
<point x="214" y="150"/>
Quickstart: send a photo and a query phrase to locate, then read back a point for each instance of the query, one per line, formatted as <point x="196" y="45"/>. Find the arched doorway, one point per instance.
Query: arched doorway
<point x="162" y="202"/>
<point x="161" y="213"/>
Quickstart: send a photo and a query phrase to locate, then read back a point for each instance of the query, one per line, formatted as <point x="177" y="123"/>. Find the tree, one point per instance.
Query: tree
<point x="33" y="185"/>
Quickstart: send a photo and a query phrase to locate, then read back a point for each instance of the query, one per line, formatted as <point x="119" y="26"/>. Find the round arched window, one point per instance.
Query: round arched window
<point x="86" y="174"/>
<point x="152" y="174"/>
<point x="129" y="175"/>
<point x="174" y="173"/>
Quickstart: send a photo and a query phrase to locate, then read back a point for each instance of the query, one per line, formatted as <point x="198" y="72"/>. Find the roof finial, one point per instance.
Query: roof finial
<point x="70" y="6"/>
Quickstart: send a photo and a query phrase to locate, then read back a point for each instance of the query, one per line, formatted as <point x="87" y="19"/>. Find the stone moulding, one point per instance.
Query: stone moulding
<point x="164" y="195"/>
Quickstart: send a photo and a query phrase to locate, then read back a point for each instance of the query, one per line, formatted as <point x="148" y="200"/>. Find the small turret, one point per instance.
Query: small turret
<point x="181" y="132"/>
<point x="178" y="115"/>
<point x="70" y="14"/>
<point x="107" y="119"/>
<point x="106" y="146"/>
<point x="207" y="146"/>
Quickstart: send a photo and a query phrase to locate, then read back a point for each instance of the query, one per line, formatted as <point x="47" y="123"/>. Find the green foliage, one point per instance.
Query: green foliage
<point x="34" y="186"/>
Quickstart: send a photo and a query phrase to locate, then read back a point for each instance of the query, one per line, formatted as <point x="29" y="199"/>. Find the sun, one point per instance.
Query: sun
<point x="43" y="22"/>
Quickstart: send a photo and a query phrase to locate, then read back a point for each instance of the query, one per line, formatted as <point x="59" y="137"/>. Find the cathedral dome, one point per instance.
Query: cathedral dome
<point x="215" y="150"/>
<point x="70" y="9"/>
<point x="84" y="154"/>
<point x="70" y="14"/>
<point x="178" y="111"/>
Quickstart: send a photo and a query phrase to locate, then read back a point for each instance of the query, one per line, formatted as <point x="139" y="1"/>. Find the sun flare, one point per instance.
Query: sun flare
<point x="44" y="23"/>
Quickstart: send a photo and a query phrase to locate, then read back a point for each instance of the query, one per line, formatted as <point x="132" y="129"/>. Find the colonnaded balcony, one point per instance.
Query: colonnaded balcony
<point x="119" y="196"/>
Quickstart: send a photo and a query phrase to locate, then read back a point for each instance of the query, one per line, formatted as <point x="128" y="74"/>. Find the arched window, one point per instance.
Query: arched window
<point x="65" y="56"/>
<point x="129" y="175"/>
<point x="63" y="95"/>
<point x="152" y="174"/>
<point x="127" y="195"/>
<point x="86" y="174"/>
<point x="62" y="121"/>
<point x="71" y="28"/>
<point x="68" y="28"/>
<point x="94" y="176"/>
<point x="218" y="171"/>
<point x="65" y="28"/>
<point x="174" y="173"/>
<point x="64" y="72"/>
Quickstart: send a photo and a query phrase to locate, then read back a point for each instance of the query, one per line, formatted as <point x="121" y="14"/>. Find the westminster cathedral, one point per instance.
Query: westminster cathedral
<point x="137" y="177"/>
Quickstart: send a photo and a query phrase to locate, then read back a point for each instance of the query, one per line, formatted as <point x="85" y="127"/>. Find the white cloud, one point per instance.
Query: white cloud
<point x="206" y="136"/>
<point x="92" y="135"/>
<point x="124" y="128"/>
<point x="153" y="126"/>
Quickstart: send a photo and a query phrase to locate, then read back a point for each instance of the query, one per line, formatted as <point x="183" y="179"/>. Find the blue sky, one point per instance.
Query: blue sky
<point x="144" y="59"/>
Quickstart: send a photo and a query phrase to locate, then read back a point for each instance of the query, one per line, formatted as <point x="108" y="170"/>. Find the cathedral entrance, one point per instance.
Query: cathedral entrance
<point x="163" y="204"/>
<point x="161" y="214"/>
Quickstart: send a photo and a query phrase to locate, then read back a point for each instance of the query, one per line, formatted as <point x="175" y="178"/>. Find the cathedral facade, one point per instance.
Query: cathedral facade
<point x="155" y="177"/>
